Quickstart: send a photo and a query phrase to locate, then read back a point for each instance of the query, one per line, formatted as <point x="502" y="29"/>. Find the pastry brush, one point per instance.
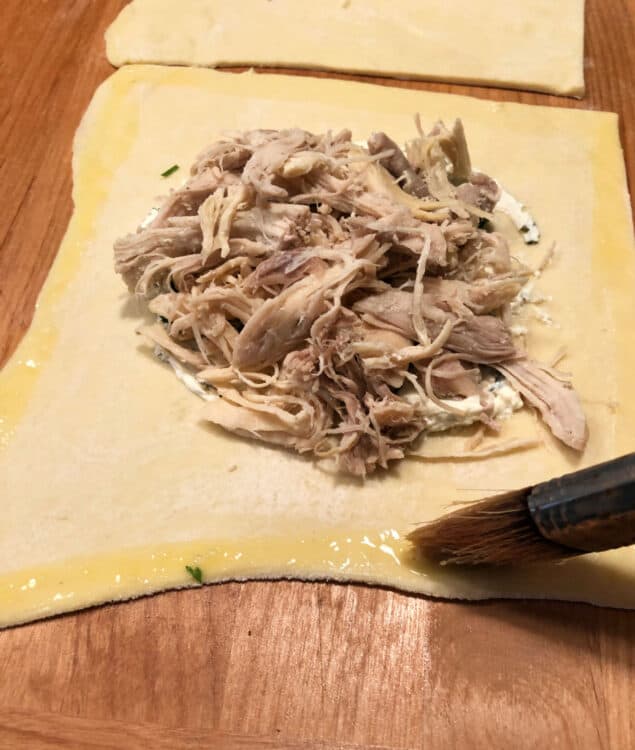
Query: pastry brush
<point x="587" y="511"/>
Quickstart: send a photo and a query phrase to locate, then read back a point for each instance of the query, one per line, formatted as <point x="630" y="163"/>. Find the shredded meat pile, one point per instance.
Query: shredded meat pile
<point x="328" y="294"/>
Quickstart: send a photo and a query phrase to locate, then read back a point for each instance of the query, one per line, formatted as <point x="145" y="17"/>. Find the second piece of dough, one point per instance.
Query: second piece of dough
<point x="528" y="44"/>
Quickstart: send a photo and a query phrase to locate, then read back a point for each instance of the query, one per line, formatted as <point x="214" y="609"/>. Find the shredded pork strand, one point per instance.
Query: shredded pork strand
<point x="333" y="299"/>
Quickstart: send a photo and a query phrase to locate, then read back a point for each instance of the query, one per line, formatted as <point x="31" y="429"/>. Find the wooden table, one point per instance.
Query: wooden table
<point x="280" y="665"/>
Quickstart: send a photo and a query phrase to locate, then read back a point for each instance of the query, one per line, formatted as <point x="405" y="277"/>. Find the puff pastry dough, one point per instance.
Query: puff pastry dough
<point x="526" y="44"/>
<point x="111" y="483"/>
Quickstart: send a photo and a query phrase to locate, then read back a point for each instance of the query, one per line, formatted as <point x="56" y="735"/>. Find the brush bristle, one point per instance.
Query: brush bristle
<point x="495" y="531"/>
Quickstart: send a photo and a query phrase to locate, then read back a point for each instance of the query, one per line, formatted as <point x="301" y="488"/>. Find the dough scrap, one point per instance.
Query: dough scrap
<point x="111" y="483"/>
<point x="527" y="44"/>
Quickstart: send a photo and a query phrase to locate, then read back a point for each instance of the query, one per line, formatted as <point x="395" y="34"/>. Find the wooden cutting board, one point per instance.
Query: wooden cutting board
<point x="281" y="665"/>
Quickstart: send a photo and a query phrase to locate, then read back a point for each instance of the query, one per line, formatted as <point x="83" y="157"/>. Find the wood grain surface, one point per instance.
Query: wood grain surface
<point x="281" y="665"/>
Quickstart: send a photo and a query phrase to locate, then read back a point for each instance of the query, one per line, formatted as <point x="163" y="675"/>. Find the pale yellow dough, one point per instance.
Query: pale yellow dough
<point x="525" y="44"/>
<point x="111" y="484"/>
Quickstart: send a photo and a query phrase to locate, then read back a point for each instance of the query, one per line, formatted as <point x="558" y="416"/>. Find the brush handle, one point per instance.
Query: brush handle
<point x="591" y="510"/>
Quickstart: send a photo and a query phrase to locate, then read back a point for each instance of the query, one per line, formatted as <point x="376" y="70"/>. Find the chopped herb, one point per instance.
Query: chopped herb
<point x="170" y="170"/>
<point x="196" y="573"/>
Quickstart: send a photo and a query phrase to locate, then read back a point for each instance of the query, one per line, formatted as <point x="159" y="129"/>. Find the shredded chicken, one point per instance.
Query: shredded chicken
<point x="554" y="398"/>
<point x="332" y="298"/>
